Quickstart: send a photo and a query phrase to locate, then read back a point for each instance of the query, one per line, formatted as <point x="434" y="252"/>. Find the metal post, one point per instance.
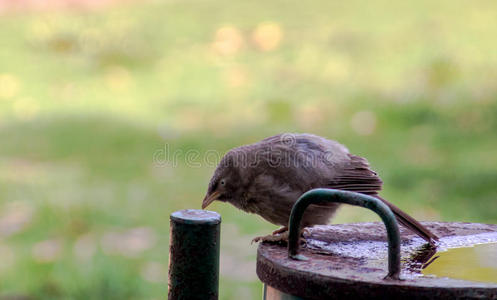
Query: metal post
<point x="194" y="255"/>
<point x="321" y="196"/>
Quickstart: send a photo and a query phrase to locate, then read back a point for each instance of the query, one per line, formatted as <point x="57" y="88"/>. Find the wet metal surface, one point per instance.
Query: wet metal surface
<point x="196" y="216"/>
<point x="323" y="196"/>
<point x="350" y="260"/>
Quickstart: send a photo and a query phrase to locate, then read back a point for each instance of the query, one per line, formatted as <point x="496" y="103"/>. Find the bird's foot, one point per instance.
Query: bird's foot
<point x="273" y="238"/>
<point x="278" y="238"/>
<point x="280" y="230"/>
<point x="305" y="231"/>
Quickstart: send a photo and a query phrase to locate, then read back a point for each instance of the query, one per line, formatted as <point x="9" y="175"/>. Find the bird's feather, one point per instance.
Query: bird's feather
<point x="356" y="176"/>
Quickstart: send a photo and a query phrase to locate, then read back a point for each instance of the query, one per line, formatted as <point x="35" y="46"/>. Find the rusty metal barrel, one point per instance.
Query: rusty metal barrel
<point x="194" y="255"/>
<point x="350" y="261"/>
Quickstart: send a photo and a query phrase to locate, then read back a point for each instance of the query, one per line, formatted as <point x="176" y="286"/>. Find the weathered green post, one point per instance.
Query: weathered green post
<point x="194" y="255"/>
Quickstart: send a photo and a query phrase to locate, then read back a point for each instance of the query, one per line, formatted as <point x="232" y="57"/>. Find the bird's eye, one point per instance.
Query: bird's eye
<point x="222" y="182"/>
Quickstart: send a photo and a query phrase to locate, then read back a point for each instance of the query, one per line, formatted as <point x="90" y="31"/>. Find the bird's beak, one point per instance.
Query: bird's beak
<point x="209" y="199"/>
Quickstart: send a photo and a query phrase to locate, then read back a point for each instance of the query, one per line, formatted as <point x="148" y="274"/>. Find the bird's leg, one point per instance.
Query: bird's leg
<point x="280" y="230"/>
<point x="279" y="236"/>
<point x="273" y="238"/>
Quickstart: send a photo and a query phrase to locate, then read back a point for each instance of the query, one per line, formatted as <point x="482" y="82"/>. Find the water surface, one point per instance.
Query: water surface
<point x="478" y="263"/>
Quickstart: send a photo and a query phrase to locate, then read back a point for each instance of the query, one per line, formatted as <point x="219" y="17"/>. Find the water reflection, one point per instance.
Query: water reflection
<point x="421" y="258"/>
<point x="477" y="263"/>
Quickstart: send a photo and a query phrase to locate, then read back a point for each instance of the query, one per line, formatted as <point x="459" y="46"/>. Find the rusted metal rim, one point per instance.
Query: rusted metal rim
<point x="321" y="196"/>
<point x="349" y="260"/>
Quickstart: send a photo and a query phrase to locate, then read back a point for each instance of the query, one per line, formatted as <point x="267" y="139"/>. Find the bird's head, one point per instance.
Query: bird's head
<point x="225" y="182"/>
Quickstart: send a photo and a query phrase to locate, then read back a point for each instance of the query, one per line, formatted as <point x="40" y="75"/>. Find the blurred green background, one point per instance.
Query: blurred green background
<point x="109" y="111"/>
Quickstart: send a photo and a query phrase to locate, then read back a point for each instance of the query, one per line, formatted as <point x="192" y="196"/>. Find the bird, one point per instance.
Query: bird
<point x="267" y="178"/>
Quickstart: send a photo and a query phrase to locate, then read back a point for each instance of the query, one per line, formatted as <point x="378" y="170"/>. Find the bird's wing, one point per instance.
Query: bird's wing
<point x="356" y="176"/>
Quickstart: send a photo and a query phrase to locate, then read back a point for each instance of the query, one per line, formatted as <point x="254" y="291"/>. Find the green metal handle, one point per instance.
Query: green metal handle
<point x="322" y="196"/>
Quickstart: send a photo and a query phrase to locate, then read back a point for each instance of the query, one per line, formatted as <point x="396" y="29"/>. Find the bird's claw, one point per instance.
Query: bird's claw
<point x="281" y="239"/>
<point x="272" y="238"/>
<point x="280" y="230"/>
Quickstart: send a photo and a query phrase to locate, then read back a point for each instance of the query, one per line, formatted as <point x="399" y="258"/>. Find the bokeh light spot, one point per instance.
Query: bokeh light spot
<point x="118" y="79"/>
<point x="15" y="217"/>
<point x="47" y="251"/>
<point x="267" y="36"/>
<point x="228" y="40"/>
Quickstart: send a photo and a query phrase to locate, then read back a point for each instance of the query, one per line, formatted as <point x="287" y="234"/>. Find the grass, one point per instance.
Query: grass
<point x="91" y="99"/>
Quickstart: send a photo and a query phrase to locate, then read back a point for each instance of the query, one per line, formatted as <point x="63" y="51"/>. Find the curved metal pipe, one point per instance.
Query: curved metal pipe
<point x="321" y="196"/>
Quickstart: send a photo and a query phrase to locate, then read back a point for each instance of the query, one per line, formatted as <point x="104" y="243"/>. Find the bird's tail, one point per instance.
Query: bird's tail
<point x="411" y="223"/>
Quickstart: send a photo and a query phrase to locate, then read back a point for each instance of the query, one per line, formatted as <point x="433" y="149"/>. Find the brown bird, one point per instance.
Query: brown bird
<point x="267" y="178"/>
